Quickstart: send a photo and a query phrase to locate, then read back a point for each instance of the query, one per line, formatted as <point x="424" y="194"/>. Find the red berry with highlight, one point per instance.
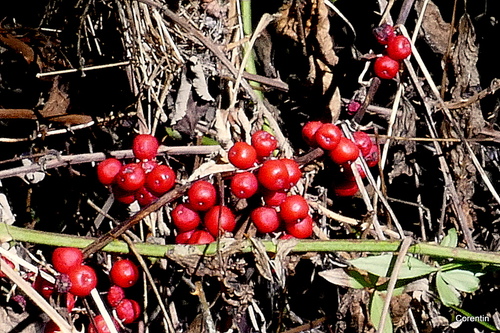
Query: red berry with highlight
<point x="309" y="131"/>
<point x="64" y="259"/>
<point x="274" y="198"/>
<point x="346" y="151"/>
<point x="244" y="185"/>
<point x="145" y="146"/>
<point x="266" y="219"/>
<point x="273" y="175"/>
<point x="328" y="136"/>
<point x="107" y="170"/>
<point x="294" y="172"/>
<point x="384" y="33"/>
<point x="83" y="279"/>
<point x="124" y="273"/>
<point x="385" y="67"/>
<point x="184" y="218"/>
<point x="219" y="217"/>
<point x="131" y="177"/>
<point x="242" y="155"/>
<point x="301" y="229"/>
<point x="144" y="197"/>
<point x="294" y="208"/>
<point x="160" y="180"/>
<point x="264" y="143"/>
<point x="398" y="48"/>
<point x="202" y="195"/>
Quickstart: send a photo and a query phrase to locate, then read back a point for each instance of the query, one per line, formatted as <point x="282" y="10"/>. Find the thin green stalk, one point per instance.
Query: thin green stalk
<point x="11" y="233"/>
<point x="246" y="18"/>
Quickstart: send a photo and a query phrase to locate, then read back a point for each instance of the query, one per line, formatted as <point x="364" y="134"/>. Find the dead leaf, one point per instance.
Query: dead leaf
<point x="58" y="101"/>
<point x="262" y="260"/>
<point x="17" y="45"/>
<point x="435" y="31"/>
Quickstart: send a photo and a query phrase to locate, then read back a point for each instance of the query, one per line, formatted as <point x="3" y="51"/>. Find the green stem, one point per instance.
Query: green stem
<point x="246" y="18"/>
<point x="11" y="233"/>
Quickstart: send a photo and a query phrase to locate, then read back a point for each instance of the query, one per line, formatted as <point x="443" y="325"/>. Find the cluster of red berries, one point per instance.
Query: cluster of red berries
<point x="398" y="47"/>
<point x="143" y="180"/>
<point x="342" y="151"/>
<point x="78" y="279"/>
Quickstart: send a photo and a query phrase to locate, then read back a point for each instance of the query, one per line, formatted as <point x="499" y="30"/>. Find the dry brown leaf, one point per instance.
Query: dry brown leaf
<point x="435" y="30"/>
<point x="58" y="101"/>
<point x="17" y="45"/>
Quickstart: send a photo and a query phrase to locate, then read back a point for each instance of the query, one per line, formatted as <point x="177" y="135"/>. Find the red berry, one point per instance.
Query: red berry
<point x="123" y="196"/>
<point x="144" y="197"/>
<point x="273" y="175"/>
<point x="384" y="33"/>
<point x="100" y="325"/>
<point x="124" y="273"/>
<point x="145" y="146"/>
<point x="183" y="237"/>
<point x="274" y="198"/>
<point x="3" y="261"/>
<point x="242" y="155"/>
<point x="286" y="236"/>
<point x="219" y="216"/>
<point x="131" y="177"/>
<point x="266" y="219"/>
<point x="64" y="259"/>
<point x="328" y="136"/>
<point x="294" y="208"/>
<point x="107" y="170"/>
<point x="294" y="172"/>
<point x="363" y="141"/>
<point x="128" y="310"/>
<point x="346" y="188"/>
<point x="398" y="48"/>
<point x="373" y="157"/>
<point x="160" y="180"/>
<point x="264" y="143"/>
<point x="302" y="228"/>
<point x="44" y="287"/>
<point x="201" y="237"/>
<point x="386" y="67"/>
<point x="184" y="218"/>
<point x="202" y="195"/>
<point x="309" y="131"/>
<point x="83" y="279"/>
<point x="51" y="327"/>
<point x="244" y="185"/>
<point x="115" y="295"/>
<point x="346" y="151"/>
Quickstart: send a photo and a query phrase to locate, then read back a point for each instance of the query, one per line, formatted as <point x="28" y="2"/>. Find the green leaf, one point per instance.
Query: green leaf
<point x="376" y="307"/>
<point x="382" y="266"/>
<point x="461" y="279"/>
<point x="349" y="279"/>
<point x="451" y="239"/>
<point x="448" y="294"/>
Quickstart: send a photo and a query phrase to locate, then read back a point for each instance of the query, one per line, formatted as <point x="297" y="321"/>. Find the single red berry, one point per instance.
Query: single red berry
<point x="294" y="208"/>
<point x="184" y="218"/>
<point x="145" y="146"/>
<point x="398" y="48"/>
<point x="286" y="236"/>
<point x="346" y="151"/>
<point x="120" y="195"/>
<point x="144" y="197"/>
<point x="51" y="327"/>
<point x="242" y="155"/>
<point x="128" y="310"/>
<point x="83" y="279"/>
<point x="64" y="259"/>
<point x="124" y="273"/>
<point x="309" y="131"/>
<point x="148" y="165"/>
<point x="160" y="180"/>
<point x="244" y="185"/>
<point x="273" y="175"/>
<point x="274" y="198"/>
<point x="107" y="170"/>
<point x="44" y="287"/>
<point x="264" y="143"/>
<point x="202" y="195"/>
<point x="131" y="177"/>
<point x="302" y="228"/>
<point x="346" y="188"/>
<point x="384" y="33"/>
<point x="328" y="136"/>
<point x="201" y="237"/>
<point x="363" y="141"/>
<point x="373" y="157"/>
<point x="386" y="67"/>
<point x="294" y="172"/>
<point x="219" y="217"/>
<point x="115" y="295"/>
<point x="5" y="261"/>
<point x="183" y="237"/>
<point x="101" y="326"/>
<point x="266" y="219"/>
